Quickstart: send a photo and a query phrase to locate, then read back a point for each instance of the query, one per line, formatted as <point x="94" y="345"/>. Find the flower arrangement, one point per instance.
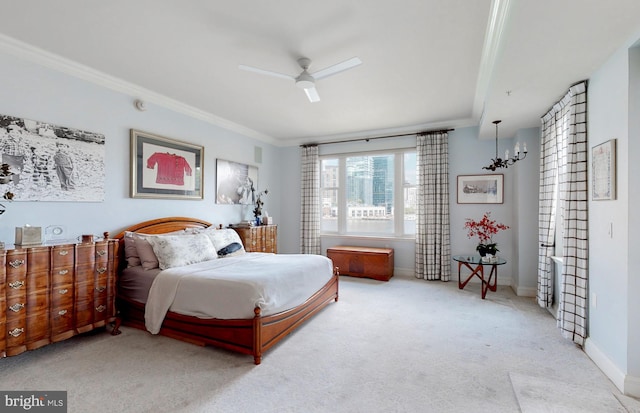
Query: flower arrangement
<point x="484" y="229"/>
<point x="257" y="211"/>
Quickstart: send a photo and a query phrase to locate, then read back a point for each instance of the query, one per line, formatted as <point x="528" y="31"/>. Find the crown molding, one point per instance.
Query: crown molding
<point x="52" y="61"/>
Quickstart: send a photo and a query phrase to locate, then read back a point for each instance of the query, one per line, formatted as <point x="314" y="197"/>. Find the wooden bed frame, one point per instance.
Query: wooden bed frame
<point x="248" y="336"/>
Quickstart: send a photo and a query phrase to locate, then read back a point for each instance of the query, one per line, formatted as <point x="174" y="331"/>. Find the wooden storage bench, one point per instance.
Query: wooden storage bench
<point x="376" y="263"/>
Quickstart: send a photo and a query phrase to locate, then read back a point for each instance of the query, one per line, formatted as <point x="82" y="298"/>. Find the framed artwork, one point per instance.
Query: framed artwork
<point x="236" y="183"/>
<point x="603" y="165"/>
<point x="48" y="162"/>
<point x="481" y="189"/>
<point x="165" y="168"/>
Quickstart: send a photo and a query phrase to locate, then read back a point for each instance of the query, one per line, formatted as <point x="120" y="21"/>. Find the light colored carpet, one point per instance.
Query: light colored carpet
<point x="403" y="346"/>
<point x="545" y="395"/>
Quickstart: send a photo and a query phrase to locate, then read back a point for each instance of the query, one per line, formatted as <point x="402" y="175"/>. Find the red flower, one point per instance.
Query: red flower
<point x="484" y="229"/>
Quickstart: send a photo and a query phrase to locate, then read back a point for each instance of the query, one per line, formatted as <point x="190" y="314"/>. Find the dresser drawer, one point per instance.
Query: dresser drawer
<point x="62" y="319"/>
<point x="62" y="256"/>
<point x="62" y="295"/>
<point x="61" y="275"/>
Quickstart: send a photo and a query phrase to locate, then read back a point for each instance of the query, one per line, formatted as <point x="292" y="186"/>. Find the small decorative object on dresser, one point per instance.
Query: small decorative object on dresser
<point x="376" y="263"/>
<point x="28" y="235"/>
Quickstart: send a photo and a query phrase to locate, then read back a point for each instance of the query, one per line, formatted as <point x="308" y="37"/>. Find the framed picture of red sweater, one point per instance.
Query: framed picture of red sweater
<point x="165" y="168"/>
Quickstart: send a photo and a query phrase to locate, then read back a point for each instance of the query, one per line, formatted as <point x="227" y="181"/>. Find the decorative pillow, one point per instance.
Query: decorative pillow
<point x="222" y="238"/>
<point x="147" y="257"/>
<point x="141" y="253"/>
<point x="130" y="251"/>
<point x="230" y="249"/>
<point x="179" y="250"/>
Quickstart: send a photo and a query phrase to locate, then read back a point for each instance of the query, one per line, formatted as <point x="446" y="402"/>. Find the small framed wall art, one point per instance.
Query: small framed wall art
<point x="603" y="165"/>
<point x="165" y="168"/>
<point x="481" y="189"/>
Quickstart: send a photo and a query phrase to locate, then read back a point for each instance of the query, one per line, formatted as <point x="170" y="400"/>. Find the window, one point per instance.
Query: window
<point x="369" y="194"/>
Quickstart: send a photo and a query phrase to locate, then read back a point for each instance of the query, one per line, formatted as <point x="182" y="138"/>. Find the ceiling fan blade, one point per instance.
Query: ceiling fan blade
<point x="312" y="94"/>
<point x="265" y="72"/>
<point x="337" y="68"/>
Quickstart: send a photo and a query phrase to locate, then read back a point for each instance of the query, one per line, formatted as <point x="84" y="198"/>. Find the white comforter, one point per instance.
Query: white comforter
<point x="230" y="288"/>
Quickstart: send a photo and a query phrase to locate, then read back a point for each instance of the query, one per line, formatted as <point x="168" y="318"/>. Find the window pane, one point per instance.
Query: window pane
<point x="329" y="194"/>
<point x="410" y="192"/>
<point x="369" y="192"/>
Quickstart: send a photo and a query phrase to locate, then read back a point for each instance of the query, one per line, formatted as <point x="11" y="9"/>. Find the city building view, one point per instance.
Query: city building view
<point x="370" y="190"/>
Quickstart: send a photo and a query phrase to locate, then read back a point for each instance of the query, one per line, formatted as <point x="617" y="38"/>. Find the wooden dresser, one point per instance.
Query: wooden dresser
<point x="263" y="238"/>
<point x="50" y="293"/>
<point x="376" y="263"/>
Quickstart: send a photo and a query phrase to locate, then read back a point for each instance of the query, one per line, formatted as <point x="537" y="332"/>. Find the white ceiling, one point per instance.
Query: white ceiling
<point x="427" y="64"/>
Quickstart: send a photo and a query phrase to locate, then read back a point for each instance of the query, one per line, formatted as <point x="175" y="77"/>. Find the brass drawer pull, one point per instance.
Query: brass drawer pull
<point x="63" y="291"/>
<point x="16" y="307"/>
<point x="16" y="263"/>
<point x="16" y="284"/>
<point x="63" y="252"/>
<point x="62" y="312"/>
<point x="100" y="253"/>
<point x="101" y="308"/>
<point x="101" y="289"/>
<point x="101" y="270"/>
<point x="16" y="332"/>
<point x="63" y="272"/>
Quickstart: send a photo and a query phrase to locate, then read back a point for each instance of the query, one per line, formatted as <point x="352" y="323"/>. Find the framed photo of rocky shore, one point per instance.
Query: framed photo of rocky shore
<point x="49" y="162"/>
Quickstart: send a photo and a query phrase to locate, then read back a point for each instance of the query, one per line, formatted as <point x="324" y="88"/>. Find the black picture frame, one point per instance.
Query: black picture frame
<point x="165" y="168"/>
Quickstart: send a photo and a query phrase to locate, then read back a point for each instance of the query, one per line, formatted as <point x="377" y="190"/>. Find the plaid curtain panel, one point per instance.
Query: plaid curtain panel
<point x="433" y="246"/>
<point x="310" y="201"/>
<point x="568" y="126"/>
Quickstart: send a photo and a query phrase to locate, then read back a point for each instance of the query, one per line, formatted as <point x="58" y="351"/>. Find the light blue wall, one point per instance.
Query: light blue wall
<point x="634" y="218"/>
<point x="608" y="269"/>
<point x="614" y="113"/>
<point x="34" y="92"/>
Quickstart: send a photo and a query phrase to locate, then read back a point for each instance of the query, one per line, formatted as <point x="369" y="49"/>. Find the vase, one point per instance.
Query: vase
<point x="484" y="249"/>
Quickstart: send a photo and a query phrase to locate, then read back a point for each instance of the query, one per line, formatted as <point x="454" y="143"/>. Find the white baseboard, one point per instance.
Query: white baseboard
<point x="628" y="385"/>
<point x="632" y="386"/>
<point x="526" y="291"/>
<point x="404" y="272"/>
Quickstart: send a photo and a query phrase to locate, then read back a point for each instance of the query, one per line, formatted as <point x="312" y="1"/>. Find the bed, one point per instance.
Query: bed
<point x="253" y="333"/>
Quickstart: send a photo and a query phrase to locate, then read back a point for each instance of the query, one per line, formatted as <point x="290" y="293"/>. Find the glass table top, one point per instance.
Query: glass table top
<point x="476" y="259"/>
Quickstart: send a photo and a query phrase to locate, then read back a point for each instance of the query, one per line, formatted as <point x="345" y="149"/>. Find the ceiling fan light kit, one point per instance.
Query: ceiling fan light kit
<point x="306" y="80"/>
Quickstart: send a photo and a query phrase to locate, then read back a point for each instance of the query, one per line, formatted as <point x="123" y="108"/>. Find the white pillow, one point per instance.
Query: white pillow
<point x="138" y="251"/>
<point x="179" y="250"/>
<point x="222" y="238"/>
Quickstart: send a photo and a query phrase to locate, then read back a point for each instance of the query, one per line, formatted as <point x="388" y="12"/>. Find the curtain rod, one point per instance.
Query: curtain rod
<point x="377" y="137"/>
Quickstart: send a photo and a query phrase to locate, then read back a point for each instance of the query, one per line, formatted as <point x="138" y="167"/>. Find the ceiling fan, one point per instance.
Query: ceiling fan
<point x="306" y="80"/>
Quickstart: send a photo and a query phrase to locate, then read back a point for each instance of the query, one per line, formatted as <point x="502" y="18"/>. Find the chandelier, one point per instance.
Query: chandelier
<point x="497" y="162"/>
